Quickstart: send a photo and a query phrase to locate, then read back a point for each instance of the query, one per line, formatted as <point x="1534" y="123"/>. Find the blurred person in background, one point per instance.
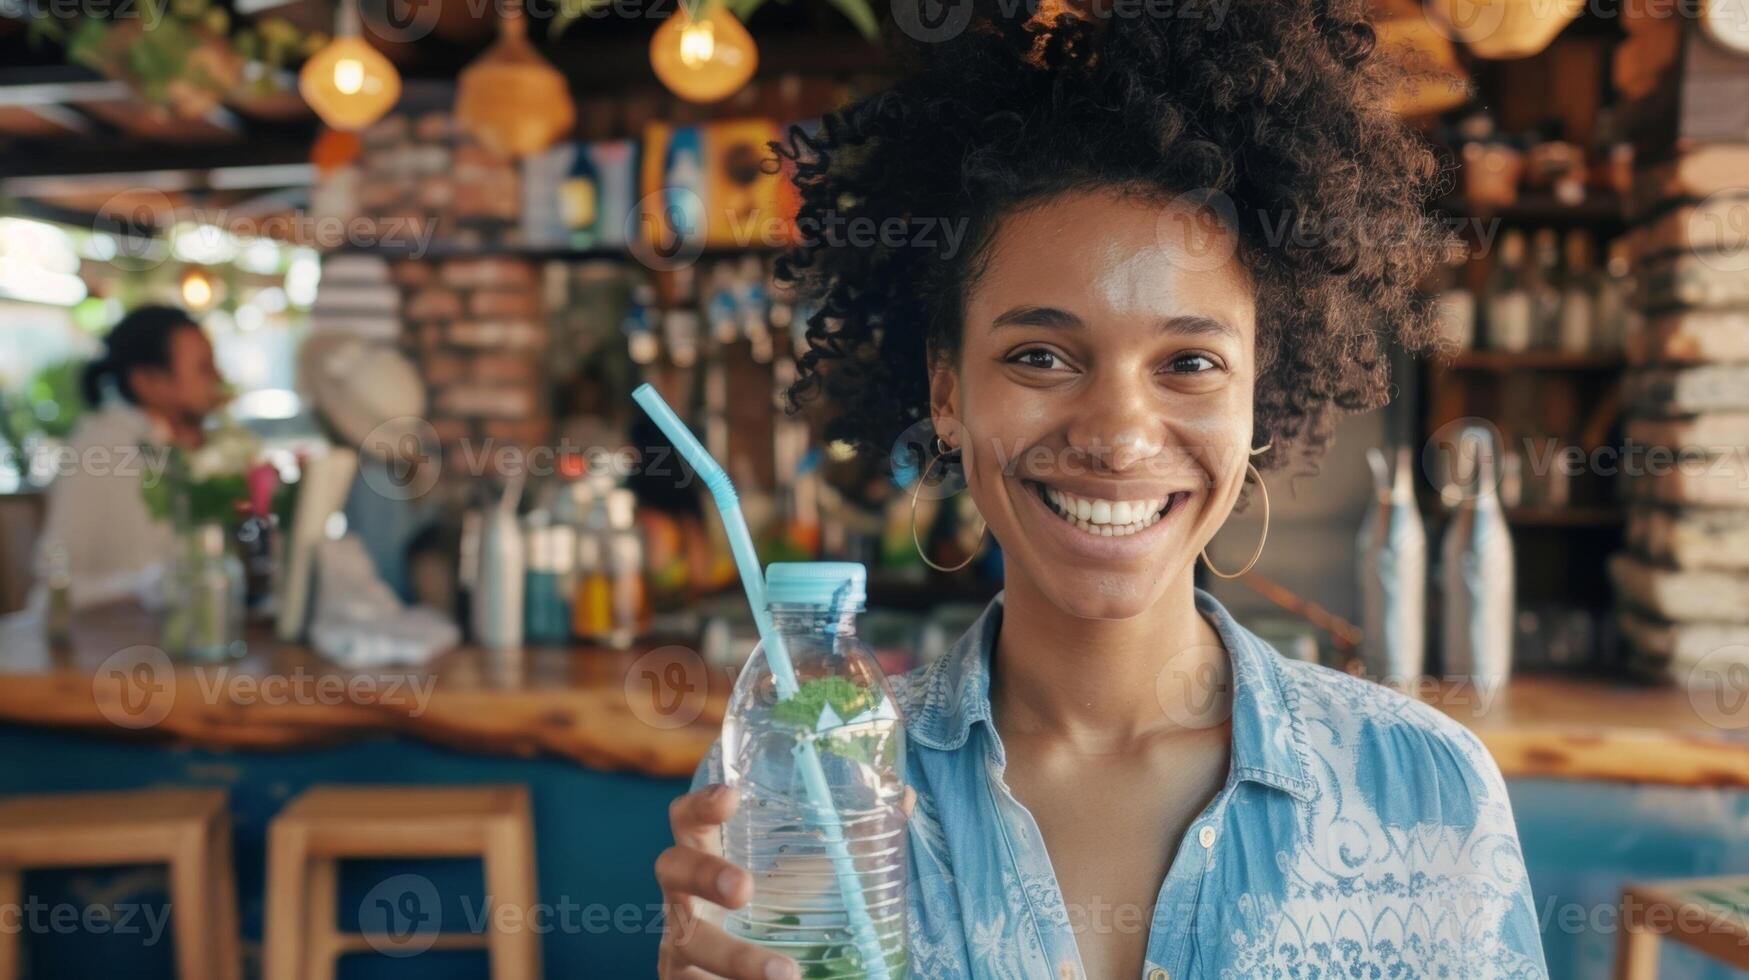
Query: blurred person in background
<point x="153" y="388"/>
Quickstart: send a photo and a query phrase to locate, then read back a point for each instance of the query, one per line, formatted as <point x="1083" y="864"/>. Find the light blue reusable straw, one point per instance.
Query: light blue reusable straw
<point x="783" y="672"/>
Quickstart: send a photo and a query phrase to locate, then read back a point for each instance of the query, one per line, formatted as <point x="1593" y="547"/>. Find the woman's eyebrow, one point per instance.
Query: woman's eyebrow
<point x="1049" y="316"/>
<point x="1037" y="316"/>
<point x="1197" y="325"/>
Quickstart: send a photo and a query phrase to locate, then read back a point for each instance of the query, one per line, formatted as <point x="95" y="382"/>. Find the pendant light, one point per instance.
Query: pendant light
<point x="349" y="83"/>
<point x="1435" y="81"/>
<point x="1503" y="29"/>
<point x="702" y="53"/>
<point x="511" y="99"/>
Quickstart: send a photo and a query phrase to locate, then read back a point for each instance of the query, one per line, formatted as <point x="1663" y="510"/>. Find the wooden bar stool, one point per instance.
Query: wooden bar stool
<point x="187" y="829"/>
<point x="1708" y="914"/>
<point x="329" y="823"/>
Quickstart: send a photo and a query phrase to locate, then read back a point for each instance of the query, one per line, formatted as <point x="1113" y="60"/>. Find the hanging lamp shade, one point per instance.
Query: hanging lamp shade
<point x="1503" y="29"/>
<point x="703" y="55"/>
<point x="349" y="83"/>
<point x="1435" y="82"/>
<point x="511" y="99"/>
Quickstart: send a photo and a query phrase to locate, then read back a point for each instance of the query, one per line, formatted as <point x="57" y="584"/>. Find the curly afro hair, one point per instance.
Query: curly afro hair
<point x="1280" y="105"/>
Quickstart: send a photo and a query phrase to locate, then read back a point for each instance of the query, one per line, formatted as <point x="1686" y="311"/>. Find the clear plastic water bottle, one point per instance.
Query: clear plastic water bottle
<point x="819" y="761"/>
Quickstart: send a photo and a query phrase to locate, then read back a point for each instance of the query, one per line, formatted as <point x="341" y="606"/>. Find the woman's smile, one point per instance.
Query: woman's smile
<point x="1107" y="527"/>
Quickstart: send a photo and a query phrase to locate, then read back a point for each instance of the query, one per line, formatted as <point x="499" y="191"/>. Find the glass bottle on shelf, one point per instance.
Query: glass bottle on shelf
<point x="625" y="569"/>
<point x="1542" y="281"/>
<point x="1611" y="303"/>
<point x="1506" y="302"/>
<point x="552" y="553"/>
<point x="1456" y="311"/>
<point x="1477" y="573"/>
<point x="1578" y="318"/>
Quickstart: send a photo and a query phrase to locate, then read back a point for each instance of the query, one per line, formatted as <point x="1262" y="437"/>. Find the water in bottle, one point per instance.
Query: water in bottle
<point x="817" y="754"/>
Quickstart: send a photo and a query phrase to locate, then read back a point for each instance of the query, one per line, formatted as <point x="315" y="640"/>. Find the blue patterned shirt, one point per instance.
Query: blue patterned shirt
<point x="1359" y="834"/>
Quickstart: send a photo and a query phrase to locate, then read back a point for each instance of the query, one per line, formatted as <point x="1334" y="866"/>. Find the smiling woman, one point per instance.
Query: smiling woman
<point x="1187" y="244"/>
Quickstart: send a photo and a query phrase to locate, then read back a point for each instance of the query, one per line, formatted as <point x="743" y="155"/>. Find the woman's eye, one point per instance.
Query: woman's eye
<point x="1192" y="364"/>
<point x="1036" y="357"/>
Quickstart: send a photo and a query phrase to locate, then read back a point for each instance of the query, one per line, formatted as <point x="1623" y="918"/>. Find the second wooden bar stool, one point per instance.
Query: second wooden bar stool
<point x="329" y="823"/>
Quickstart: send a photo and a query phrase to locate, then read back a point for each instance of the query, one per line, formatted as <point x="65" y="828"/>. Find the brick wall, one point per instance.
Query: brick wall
<point x="476" y="328"/>
<point x="447" y="212"/>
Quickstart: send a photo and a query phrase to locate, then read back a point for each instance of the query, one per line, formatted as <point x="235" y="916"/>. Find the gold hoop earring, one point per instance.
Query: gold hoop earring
<point x="1260" y="540"/>
<point x="915" y="493"/>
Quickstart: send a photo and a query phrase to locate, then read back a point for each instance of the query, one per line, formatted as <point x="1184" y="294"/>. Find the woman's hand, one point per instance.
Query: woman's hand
<point x="697" y="885"/>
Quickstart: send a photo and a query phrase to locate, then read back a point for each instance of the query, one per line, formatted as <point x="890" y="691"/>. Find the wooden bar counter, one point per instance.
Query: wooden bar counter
<point x="655" y="710"/>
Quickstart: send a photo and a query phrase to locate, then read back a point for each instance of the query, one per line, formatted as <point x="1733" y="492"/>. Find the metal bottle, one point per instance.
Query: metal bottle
<point x="1392" y="553"/>
<point x="1477" y="572"/>
<point x="497" y="589"/>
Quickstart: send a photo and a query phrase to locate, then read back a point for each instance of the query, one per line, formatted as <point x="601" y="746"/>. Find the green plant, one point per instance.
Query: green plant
<point x="802" y="709"/>
<point x="185" y="54"/>
<point x="208" y="484"/>
<point x="48" y="405"/>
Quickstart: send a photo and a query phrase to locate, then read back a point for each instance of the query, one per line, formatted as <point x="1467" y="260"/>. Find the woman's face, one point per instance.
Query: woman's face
<point x="188" y="387"/>
<point x="1106" y="368"/>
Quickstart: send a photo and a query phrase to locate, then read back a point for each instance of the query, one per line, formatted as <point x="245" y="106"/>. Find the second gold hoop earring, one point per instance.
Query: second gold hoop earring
<point x="1260" y="538"/>
<point x="941" y="453"/>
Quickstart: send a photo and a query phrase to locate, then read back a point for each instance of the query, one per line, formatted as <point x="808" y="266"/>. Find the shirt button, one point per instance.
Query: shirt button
<point x="1206" y="837"/>
<point x="1158" y="974"/>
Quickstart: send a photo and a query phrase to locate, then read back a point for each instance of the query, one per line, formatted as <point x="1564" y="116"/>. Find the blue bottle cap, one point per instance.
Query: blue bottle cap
<point x="827" y="584"/>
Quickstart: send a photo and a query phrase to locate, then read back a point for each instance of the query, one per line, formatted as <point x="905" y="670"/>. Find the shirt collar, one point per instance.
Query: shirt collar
<point x="1268" y="736"/>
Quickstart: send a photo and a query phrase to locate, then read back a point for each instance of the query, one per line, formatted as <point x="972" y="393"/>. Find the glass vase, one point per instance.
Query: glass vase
<point x="204" y="591"/>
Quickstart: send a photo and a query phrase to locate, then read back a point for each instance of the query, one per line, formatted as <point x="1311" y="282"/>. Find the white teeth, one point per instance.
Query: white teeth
<point x="1106" y="518"/>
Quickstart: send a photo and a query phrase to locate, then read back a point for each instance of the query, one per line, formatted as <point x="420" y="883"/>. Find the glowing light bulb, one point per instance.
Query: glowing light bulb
<point x="703" y="58"/>
<point x="349" y="83"/>
<point x="698" y="41"/>
<point x="348" y="76"/>
<point x="197" y="289"/>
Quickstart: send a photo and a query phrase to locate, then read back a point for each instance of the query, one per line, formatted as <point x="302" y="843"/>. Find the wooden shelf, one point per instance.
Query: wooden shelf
<point x="1534" y="360"/>
<point x="1575" y="517"/>
<point x="1595" y="516"/>
<point x="610" y="253"/>
<point x="1604" y="210"/>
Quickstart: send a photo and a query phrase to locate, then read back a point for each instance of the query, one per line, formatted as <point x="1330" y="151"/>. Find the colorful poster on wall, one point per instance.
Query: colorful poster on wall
<point x="601" y="192"/>
<point x="715" y="181"/>
<point x="580" y="195"/>
<point x="743" y="186"/>
<point x="672" y="206"/>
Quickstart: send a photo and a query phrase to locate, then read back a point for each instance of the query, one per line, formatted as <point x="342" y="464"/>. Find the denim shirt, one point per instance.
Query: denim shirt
<point x="1359" y="834"/>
